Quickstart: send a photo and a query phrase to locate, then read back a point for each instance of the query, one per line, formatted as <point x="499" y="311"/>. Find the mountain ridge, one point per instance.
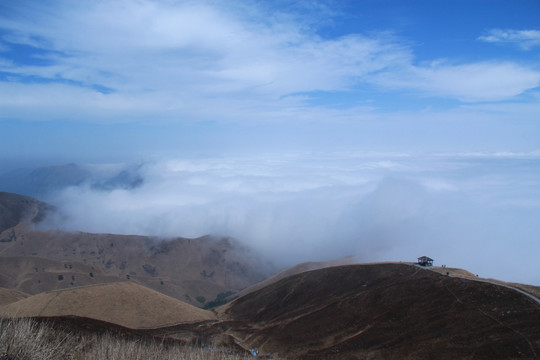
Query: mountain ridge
<point x="198" y="271"/>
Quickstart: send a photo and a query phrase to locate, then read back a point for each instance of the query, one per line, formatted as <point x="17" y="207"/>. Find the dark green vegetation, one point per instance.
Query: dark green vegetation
<point x="221" y="299"/>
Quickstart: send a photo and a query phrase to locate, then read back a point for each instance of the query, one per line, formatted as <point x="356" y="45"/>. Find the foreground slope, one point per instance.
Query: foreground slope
<point x="386" y="311"/>
<point x="124" y="303"/>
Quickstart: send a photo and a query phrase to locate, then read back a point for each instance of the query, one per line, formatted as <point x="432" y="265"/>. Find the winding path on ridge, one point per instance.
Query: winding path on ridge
<point x="529" y="295"/>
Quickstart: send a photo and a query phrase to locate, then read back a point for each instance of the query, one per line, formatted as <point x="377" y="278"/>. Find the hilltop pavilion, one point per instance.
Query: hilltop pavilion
<point x="425" y="261"/>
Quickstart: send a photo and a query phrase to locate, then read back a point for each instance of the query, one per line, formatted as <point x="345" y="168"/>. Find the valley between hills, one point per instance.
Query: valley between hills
<point x="213" y="291"/>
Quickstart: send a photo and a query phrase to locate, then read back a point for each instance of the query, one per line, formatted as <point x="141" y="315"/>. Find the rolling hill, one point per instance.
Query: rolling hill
<point x="124" y="303"/>
<point x="361" y="311"/>
<point x="293" y="270"/>
<point x="385" y="311"/>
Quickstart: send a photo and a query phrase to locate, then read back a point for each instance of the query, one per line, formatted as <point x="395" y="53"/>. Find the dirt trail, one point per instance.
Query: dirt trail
<point x="529" y="295"/>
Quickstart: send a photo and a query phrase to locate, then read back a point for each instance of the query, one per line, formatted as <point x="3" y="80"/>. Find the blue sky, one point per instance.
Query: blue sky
<point x="169" y="77"/>
<point x="384" y="129"/>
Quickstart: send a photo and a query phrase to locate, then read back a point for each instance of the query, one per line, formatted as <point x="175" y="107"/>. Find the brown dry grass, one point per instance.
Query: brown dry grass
<point x="296" y="269"/>
<point x="112" y="347"/>
<point x="455" y="272"/>
<point x="195" y="271"/>
<point x="124" y="303"/>
<point x="26" y="339"/>
<point x="392" y="311"/>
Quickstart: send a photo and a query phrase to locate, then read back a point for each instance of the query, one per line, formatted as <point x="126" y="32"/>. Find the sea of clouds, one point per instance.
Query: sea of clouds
<point x="476" y="211"/>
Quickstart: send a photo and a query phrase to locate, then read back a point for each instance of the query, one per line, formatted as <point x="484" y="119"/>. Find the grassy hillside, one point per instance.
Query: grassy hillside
<point x="192" y="270"/>
<point x="125" y="303"/>
<point x="386" y="311"/>
<point x="198" y="271"/>
<point x="380" y="311"/>
<point x="293" y="270"/>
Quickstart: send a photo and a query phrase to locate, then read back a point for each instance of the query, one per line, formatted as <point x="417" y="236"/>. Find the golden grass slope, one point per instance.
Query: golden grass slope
<point x="122" y="303"/>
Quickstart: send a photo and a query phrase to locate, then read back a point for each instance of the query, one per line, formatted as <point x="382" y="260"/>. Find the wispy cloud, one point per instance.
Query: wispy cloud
<point x="175" y="60"/>
<point x="525" y="39"/>
<point x="484" y="81"/>
<point x="204" y="60"/>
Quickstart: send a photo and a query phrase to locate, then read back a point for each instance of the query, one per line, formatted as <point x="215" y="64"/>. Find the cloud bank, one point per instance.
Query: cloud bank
<point x="467" y="211"/>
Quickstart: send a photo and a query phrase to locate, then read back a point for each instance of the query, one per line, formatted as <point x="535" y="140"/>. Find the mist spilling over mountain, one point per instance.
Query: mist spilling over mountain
<point x="476" y="211"/>
<point x="198" y="271"/>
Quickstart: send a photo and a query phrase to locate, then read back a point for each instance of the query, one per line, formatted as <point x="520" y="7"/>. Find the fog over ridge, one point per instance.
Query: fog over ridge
<point x="463" y="210"/>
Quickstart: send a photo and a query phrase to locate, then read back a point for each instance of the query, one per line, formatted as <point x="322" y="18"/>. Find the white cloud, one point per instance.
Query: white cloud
<point x="526" y="39"/>
<point x="180" y="61"/>
<point x="486" y="81"/>
<point x="195" y="47"/>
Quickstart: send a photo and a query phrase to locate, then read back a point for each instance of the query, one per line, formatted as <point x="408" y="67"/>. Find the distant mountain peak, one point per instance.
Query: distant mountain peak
<point x="42" y="181"/>
<point x="16" y="208"/>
